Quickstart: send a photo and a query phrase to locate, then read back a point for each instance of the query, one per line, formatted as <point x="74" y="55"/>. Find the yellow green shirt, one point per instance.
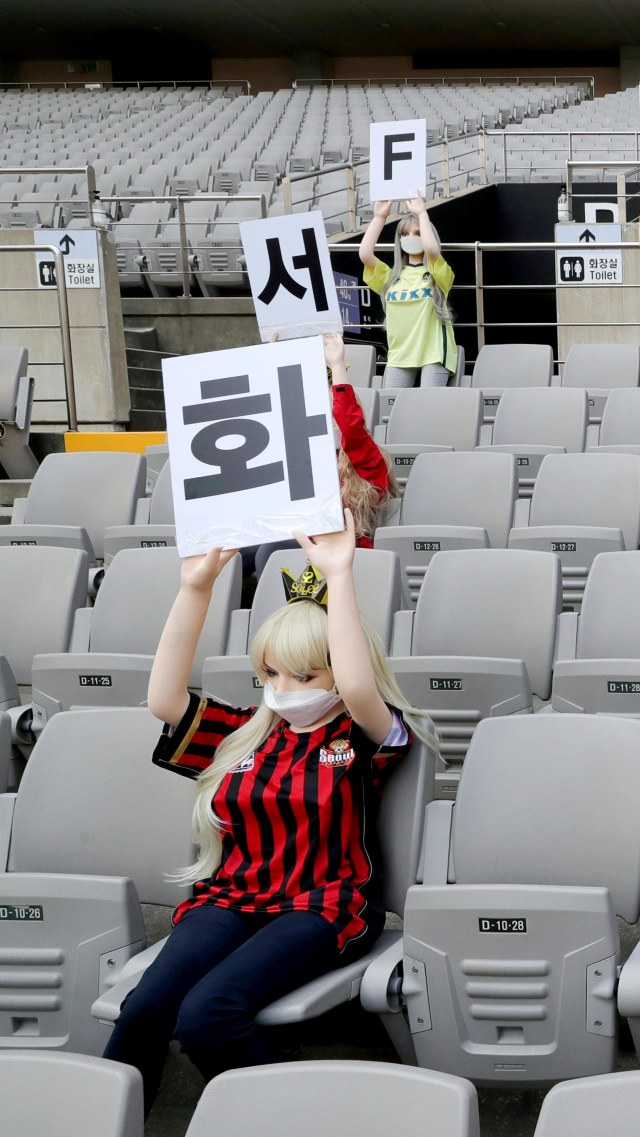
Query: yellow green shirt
<point x="415" y="335"/>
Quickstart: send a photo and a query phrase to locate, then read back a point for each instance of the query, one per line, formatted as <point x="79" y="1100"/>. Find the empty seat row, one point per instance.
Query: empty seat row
<point x="510" y="948"/>
<point x="487" y="636"/>
<point x="580" y="505"/>
<point x="82" y="1093"/>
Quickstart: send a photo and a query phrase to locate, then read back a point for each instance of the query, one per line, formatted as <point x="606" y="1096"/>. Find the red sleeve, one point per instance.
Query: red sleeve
<point x="363" y="453"/>
<point x="191" y="746"/>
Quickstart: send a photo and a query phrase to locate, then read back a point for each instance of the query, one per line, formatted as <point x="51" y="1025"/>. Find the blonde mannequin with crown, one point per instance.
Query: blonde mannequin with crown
<point x="287" y="883"/>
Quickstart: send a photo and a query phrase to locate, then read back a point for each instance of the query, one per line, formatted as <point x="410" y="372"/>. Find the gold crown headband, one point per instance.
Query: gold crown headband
<point x="308" y="586"/>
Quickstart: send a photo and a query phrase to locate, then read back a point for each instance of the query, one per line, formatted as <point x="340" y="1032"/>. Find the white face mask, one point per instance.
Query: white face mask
<point x="411" y="245"/>
<point x="300" y="708"/>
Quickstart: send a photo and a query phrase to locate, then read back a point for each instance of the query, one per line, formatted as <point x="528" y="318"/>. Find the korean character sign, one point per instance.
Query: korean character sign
<point x="397" y="159"/>
<point x="251" y="444"/>
<point x="290" y="276"/>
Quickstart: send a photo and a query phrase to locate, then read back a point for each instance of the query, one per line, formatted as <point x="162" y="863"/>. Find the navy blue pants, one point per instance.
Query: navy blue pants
<point x="216" y="971"/>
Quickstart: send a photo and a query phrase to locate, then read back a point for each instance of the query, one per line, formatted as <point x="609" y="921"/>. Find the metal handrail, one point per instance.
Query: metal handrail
<point x="88" y="172"/>
<point x="63" y="314"/>
<point x="140" y="84"/>
<point x="447" y="81"/>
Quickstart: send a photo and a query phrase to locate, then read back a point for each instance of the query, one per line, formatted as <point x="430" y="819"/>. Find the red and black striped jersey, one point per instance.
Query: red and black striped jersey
<point x="298" y="817"/>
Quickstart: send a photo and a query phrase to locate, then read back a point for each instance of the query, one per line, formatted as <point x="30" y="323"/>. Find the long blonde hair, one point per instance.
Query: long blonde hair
<point x="296" y="639"/>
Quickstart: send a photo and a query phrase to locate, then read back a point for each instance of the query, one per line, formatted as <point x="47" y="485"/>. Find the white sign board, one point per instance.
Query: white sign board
<point x="291" y="276"/>
<point x="398" y="159"/>
<point x="589" y="265"/>
<point x="251" y="443"/>
<point x="80" y="251"/>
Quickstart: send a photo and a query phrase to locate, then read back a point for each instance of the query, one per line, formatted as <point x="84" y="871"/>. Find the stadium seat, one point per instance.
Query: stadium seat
<point x="93" y="831"/>
<point x="600" y="368"/>
<point x="361" y="363"/>
<point x="154" y="525"/>
<point x="452" y="500"/>
<point x="111" y="653"/>
<point x="231" y="676"/>
<point x="533" y="421"/>
<point x="620" y="426"/>
<point x="480" y="643"/>
<point x="587" y="1107"/>
<point x="582" y="504"/>
<point x="429" y="418"/>
<point x="599" y="670"/>
<point x="68" y="1095"/>
<point x="400" y="832"/>
<point x="503" y="365"/>
<point x="511" y="945"/>
<point x="41" y="588"/>
<point x="16" y="400"/>
<point x="337" y="1097"/>
<point x="72" y="499"/>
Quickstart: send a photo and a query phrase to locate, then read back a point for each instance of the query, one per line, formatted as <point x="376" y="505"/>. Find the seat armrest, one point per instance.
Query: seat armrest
<point x="143" y="510"/>
<point x="18" y="511"/>
<point x="437" y="843"/>
<point x="521" y="512"/>
<point x="326" y="992"/>
<point x="380" y="433"/>
<point x="238" y="643"/>
<point x="7" y="805"/>
<point x="566" y="636"/>
<point x="402" y="633"/>
<point x="107" y="1006"/>
<point x="81" y="632"/>
<point x="24" y="399"/>
<point x="9" y="694"/>
<point x="5" y="751"/>
<point x="380" y="987"/>
<point x="629" y="994"/>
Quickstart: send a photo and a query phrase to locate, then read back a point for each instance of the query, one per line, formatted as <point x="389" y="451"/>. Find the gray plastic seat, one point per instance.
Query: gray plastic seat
<point x="230" y="676"/>
<point x="337" y="1097"/>
<point x="73" y="497"/>
<point x="154" y="525"/>
<point x="480" y="643"/>
<point x="114" y="642"/>
<point x="511" y="945"/>
<point x="361" y="361"/>
<point x="589" y="1107"/>
<point x="620" y="426"/>
<point x="503" y="365"/>
<point x="533" y="421"/>
<point x="400" y="827"/>
<point x="453" y="500"/>
<point x="220" y="259"/>
<point x="82" y="870"/>
<point x="16" y="401"/>
<point x="41" y="588"/>
<point x="68" y="1095"/>
<point x="582" y="504"/>
<point x="599" y="670"/>
<point x="600" y="368"/>
<point x="424" y="419"/>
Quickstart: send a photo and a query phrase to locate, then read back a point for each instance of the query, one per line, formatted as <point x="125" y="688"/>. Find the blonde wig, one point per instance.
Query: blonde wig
<point x="295" y="639"/>
<point x="365" y="500"/>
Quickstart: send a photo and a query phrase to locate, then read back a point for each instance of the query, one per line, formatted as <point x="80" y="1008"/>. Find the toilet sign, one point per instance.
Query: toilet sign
<point x="590" y="265"/>
<point x="79" y="247"/>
